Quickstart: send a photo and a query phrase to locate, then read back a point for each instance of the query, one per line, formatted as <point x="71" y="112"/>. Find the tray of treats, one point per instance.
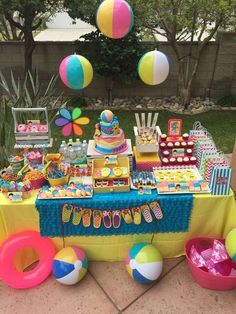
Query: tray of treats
<point x="171" y="180"/>
<point x="146" y="133"/>
<point x="142" y="178"/>
<point x="72" y="190"/>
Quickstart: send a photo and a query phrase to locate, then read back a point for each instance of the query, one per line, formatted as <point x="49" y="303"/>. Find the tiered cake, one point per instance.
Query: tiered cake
<point x="109" y="138"/>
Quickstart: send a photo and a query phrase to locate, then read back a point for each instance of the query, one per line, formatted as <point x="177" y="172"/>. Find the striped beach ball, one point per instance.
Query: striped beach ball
<point x="230" y="244"/>
<point x="107" y="116"/>
<point x="144" y="263"/>
<point x="115" y="18"/>
<point x="153" y="67"/>
<point x="76" y="71"/>
<point x="70" y="265"/>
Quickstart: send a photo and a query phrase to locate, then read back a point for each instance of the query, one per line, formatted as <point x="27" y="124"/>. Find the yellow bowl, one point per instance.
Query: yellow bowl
<point x="59" y="181"/>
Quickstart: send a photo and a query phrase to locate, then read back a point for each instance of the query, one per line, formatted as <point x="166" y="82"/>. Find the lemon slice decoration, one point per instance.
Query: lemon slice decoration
<point x="106" y="172"/>
<point x="117" y="171"/>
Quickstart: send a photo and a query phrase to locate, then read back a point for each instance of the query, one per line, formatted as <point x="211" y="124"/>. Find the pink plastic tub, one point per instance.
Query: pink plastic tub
<point x="202" y="277"/>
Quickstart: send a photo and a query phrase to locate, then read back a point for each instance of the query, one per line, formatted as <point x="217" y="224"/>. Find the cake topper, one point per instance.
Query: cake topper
<point x="70" y="122"/>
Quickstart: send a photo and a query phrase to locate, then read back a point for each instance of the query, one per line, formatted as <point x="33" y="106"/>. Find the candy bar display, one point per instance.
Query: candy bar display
<point x="176" y="149"/>
<point x="146" y="133"/>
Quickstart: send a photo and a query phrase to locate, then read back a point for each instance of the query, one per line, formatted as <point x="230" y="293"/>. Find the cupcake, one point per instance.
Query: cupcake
<point x="170" y="145"/>
<point x="163" y="137"/>
<point x="163" y="145"/>
<point x="193" y="160"/>
<point x="189" y="151"/>
<point x="183" y="144"/>
<point x="177" y="144"/>
<point x="185" y="136"/>
<point x="190" y="144"/>
<point x="165" y="161"/>
<point x="172" y="161"/>
<point x="186" y="160"/>
<point x="180" y="160"/>
<point x="166" y="153"/>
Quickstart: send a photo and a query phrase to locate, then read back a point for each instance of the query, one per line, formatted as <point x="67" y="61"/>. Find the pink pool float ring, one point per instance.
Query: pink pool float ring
<point x="19" y="279"/>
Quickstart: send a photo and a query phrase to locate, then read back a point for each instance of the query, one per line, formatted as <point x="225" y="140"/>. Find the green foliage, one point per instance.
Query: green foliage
<point x="76" y="102"/>
<point x="31" y="93"/>
<point x="113" y="58"/>
<point x="227" y="101"/>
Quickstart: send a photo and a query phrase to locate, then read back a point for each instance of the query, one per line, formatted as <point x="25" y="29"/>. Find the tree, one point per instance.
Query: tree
<point x="195" y="21"/>
<point x="30" y="13"/>
<point x="113" y="59"/>
<point x="8" y="31"/>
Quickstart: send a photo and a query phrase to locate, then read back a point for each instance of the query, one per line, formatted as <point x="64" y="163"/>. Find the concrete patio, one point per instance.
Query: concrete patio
<point x="108" y="289"/>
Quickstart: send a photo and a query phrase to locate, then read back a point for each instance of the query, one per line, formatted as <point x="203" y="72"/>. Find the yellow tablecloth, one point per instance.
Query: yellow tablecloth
<point x="211" y="216"/>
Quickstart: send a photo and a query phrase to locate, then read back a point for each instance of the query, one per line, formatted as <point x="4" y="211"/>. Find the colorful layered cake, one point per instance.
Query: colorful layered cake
<point x="109" y="138"/>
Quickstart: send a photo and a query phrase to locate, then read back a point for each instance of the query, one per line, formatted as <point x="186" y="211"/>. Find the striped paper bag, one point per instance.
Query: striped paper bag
<point x="220" y="180"/>
<point x="213" y="161"/>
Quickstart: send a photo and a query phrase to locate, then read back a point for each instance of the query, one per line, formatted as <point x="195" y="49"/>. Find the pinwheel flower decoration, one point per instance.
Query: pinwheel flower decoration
<point x="69" y="122"/>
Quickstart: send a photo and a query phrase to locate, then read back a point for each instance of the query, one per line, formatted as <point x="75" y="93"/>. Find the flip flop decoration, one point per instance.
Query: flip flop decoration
<point x="70" y="122"/>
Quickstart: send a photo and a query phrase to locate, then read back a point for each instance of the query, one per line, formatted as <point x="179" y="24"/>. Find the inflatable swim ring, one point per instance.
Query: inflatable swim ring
<point x="16" y="242"/>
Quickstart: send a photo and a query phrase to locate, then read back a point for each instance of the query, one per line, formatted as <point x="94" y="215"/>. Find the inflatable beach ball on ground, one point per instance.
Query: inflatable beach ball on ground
<point x="70" y="265"/>
<point x="115" y="18"/>
<point x="230" y="244"/>
<point x="153" y="67"/>
<point x="144" y="263"/>
<point x="76" y="71"/>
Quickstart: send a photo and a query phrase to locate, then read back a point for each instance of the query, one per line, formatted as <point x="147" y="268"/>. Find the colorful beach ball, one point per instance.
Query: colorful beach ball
<point x="115" y="18"/>
<point x="76" y="71"/>
<point x="153" y="67"/>
<point x="107" y="116"/>
<point x="70" y="265"/>
<point x="144" y="263"/>
<point x="230" y="244"/>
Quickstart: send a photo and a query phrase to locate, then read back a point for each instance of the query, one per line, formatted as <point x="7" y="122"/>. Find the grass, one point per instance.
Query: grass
<point x="221" y="125"/>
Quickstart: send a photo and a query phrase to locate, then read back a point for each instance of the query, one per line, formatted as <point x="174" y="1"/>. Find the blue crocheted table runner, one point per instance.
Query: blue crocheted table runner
<point x="176" y="214"/>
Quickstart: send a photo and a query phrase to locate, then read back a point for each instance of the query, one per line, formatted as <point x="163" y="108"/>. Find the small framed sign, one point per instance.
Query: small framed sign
<point x="174" y="127"/>
<point x="15" y="196"/>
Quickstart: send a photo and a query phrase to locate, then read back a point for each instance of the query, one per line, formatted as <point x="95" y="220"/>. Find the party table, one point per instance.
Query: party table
<point x="204" y="215"/>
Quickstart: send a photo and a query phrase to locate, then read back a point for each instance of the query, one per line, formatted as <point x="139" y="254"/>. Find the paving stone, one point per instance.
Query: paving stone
<point x="117" y="283"/>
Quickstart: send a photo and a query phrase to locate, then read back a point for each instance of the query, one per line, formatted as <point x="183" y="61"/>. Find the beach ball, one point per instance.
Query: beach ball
<point x="115" y="18"/>
<point x="230" y="244"/>
<point x="70" y="265"/>
<point x="144" y="263"/>
<point x="107" y="116"/>
<point x="76" y="71"/>
<point x="153" y="67"/>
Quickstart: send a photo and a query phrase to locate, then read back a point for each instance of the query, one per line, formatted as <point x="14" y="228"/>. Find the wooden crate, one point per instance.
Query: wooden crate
<point x="107" y="187"/>
<point x="31" y="138"/>
<point x="147" y="133"/>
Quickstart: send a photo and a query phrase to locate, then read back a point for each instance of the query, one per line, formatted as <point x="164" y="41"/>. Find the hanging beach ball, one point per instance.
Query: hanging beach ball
<point x="230" y="244"/>
<point x="144" y="263"/>
<point x="70" y="265"/>
<point x="153" y="67"/>
<point x="115" y="18"/>
<point x="107" y="116"/>
<point x="76" y="71"/>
